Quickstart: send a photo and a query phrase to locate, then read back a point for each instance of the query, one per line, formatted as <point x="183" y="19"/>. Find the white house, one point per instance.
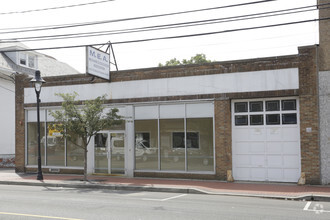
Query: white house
<point x="11" y="64"/>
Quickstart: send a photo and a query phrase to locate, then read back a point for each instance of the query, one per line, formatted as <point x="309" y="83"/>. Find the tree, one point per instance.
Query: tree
<point x="197" y="59"/>
<point x="83" y="120"/>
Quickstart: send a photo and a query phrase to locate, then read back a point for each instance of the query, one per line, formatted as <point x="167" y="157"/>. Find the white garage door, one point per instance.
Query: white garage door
<point x="266" y="140"/>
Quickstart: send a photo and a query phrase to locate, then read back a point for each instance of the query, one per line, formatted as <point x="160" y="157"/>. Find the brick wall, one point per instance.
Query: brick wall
<point x="324" y="32"/>
<point x="309" y="117"/>
<point x="20" y="81"/>
<point x="223" y="150"/>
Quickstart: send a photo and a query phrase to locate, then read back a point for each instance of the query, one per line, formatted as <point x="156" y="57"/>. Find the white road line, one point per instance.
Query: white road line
<point x="174" y="197"/>
<point x="36" y="216"/>
<point x="162" y="200"/>
<point x="307" y="206"/>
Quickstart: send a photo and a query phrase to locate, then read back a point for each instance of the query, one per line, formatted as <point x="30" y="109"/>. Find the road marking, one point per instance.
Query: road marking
<point x="37" y="216"/>
<point x="166" y="199"/>
<point x="307" y="206"/>
<point x="318" y="208"/>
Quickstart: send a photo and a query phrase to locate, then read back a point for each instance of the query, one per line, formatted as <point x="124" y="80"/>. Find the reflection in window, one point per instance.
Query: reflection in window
<point x="241" y="106"/>
<point x="32" y="143"/>
<point x="146" y="144"/>
<point x="256" y="119"/>
<point x="75" y="152"/>
<point x="200" y="158"/>
<point x="273" y="119"/>
<point x="241" y="120"/>
<point x="289" y="104"/>
<point x="55" y="146"/>
<point x="273" y="105"/>
<point x="289" y="118"/>
<point x="171" y="158"/>
<point x="256" y="106"/>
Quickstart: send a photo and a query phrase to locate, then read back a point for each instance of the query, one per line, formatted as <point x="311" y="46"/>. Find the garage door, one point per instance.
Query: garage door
<point x="266" y="140"/>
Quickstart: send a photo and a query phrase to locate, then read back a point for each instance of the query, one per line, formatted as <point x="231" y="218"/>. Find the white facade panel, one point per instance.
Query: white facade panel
<point x="199" y="110"/>
<point x="172" y="111"/>
<point x="146" y="112"/>
<point x="266" y="80"/>
<point x="32" y="115"/>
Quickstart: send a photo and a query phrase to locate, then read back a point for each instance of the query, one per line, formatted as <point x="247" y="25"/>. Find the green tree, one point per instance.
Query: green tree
<point x="83" y="120"/>
<point x="197" y="59"/>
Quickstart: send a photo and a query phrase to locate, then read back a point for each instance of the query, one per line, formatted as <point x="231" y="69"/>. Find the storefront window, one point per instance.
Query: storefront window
<point x="200" y="144"/>
<point x="75" y="152"/>
<point x="32" y="143"/>
<point x="146" y="144"/>
<point x="172" y="157"/>
<point x="55" y="146"/>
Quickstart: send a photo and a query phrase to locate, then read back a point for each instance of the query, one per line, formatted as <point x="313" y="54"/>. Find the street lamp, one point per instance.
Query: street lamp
<point x="38" y="81"/>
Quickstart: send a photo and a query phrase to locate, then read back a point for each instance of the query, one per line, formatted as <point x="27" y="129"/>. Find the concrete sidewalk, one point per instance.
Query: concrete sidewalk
<point x="264" y="190"/>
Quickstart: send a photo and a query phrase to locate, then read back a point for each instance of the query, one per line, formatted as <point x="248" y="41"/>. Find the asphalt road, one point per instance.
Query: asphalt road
<point x="31" y="202"/>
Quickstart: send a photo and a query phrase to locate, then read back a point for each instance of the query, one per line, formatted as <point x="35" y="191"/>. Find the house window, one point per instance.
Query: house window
<point x="31" y="61"/>
<point x="27" y="60"/>
<point x="22" y="59"/>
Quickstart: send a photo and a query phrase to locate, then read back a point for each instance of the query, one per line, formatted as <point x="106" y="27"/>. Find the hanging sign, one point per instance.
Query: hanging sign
<point x="97" y="63"/>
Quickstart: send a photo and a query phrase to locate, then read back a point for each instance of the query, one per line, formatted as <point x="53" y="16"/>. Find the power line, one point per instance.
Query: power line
<point x="174" y="37"/>
<point x="168" y="26"/>
<point x="53" y="8"/>
<point x="43" y="28"/>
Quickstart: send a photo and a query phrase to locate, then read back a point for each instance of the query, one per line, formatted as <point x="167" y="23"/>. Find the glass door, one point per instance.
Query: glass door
<point x="117" y="151"/>
<point x="109" y="152"/>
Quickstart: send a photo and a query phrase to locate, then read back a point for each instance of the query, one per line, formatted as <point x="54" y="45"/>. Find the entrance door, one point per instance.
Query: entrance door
<point x="109" y="152"/>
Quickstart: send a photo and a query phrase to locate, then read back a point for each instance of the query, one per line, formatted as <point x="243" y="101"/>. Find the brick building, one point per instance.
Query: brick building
<point x="260" y="119"/>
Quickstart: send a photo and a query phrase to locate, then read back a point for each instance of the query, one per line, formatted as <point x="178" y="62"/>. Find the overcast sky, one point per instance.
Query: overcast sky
<point x="275" y="41"/>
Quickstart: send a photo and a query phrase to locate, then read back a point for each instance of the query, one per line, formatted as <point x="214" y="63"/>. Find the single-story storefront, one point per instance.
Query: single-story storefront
<point x="256" y="118"/>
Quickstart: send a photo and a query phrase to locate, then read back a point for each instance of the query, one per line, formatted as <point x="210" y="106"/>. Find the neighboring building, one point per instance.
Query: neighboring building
<point x="11" y="64"/>
<point x="261" y="119"/>
<point x="324" y="91"/>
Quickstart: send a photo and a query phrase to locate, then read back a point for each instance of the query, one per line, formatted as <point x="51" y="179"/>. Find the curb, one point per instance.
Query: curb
<point x="89" y="185"/>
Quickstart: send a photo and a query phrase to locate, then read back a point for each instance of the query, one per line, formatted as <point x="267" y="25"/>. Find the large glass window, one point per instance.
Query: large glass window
<point x="75" y="152"/>
<point x="172" y="158"/>
<point x="55" y="146"/>
<point x="200" y="144"/>
<point x="32" y="143"/>
<point x="146" y="144"/>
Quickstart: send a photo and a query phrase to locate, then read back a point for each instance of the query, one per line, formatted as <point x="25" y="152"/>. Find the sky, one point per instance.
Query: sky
<point x="255" y="43"/>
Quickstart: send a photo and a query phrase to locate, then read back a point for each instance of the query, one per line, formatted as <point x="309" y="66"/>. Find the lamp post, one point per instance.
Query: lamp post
<point x="38" y="81"/>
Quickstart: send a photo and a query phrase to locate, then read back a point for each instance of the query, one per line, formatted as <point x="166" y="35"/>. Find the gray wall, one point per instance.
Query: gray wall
<point x="324" y="102"/>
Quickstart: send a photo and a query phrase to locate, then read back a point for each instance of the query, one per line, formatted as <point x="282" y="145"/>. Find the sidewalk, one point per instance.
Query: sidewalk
<point x="264" y="190"/>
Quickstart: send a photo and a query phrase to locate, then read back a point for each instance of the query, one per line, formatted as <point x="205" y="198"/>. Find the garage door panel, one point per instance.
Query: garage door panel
<point x="258" y="160"/>
<point x="275" y="174"/>
<point x="290" y="134"/>
<point x="241" y="173"/>
<point x="258" y="173"/>
<point x="243" y="160"/>
<point x="274" y="161"/>
<point x="291" y="175"/>
<point x="291" y="148"/>
<point x="274" y="133"/>
<point x="257" y="148"/>
<point x="274" y="147"/>
<point x="242" y="148"/>
<point x="291" y="161"/>
<point x="242" y="134"/>
<point x="257" y="134"/>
